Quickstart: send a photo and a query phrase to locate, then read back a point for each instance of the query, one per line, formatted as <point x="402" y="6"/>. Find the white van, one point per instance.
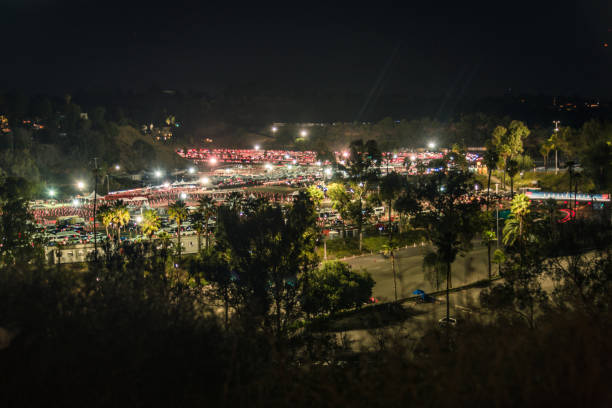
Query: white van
<point x="378" y="211"/>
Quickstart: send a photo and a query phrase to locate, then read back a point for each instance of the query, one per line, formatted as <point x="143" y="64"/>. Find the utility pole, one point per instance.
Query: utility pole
<point x="95" y="207"/>
<point x="556" y="122"/>
<point x="497" y="221"/>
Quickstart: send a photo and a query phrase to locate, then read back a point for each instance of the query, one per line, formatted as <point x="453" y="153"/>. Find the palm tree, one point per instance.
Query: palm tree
<point x="234" y="201"/>
<point x="150" y="222"/>
<point x="179" y="213"/>
<point x="512" y="170"/>
<point x="513" y="230"/>
<point x="407" y="162"/>
<point x="491" y="158"/>
<point x="545" y="152"/>
<point x="201" y="217"/>
<point x="105" y="216"/>
<point x="389" y="250"/>
<point x="551" y="207"/>
<point x="571" y="171"/>
<point x="197" y="220"/>
<point x="434" y="268"/>
<point x="207" y="207"/>
<point x="121" y="216"/>
<point x="488" y="237"/>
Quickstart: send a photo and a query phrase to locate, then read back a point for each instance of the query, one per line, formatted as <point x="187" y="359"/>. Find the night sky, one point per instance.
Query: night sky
<point x="471" y="48"/>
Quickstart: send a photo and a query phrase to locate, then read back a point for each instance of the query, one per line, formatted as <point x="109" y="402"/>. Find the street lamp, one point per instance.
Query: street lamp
<point x="75" y="203"/>
<point x="256" y="147"/>
<point x="80" y="185"/>
<point x="431" y="145"/>
<point x="183" y="196"/>
<point x="51" y="193"/>
<point x="274" y="129"/>
<point x="556" y="122"/>
<point x="158" y="173"/>
<point x="191" y="170"/>
<point x="204" y="180"/>
<point x="117" y="167"/>
<point x="303" y="133"/>
<point x="213" y="161"/>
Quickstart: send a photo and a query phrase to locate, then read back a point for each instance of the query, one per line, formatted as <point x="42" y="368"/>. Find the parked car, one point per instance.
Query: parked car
<point x="451" y="322"/>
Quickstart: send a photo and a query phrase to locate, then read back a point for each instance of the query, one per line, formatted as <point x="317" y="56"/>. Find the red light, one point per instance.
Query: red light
<point x="565" y="202"/>
<point x="589" y="203"/>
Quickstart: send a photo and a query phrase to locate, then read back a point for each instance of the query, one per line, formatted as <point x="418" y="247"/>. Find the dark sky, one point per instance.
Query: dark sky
<point x="461" y="47"/>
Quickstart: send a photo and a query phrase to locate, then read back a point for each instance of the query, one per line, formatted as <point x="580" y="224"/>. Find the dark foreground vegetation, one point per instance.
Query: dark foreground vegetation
<point x="113" y="337"/>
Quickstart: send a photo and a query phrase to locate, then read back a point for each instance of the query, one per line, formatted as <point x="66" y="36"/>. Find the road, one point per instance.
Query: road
<point x="409" y="271"/>
<point x="365" y="331"/>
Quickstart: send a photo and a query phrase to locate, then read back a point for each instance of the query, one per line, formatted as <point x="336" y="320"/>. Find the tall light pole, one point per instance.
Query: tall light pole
<point x="556" y="122"/>
<point x="95" y="206"/>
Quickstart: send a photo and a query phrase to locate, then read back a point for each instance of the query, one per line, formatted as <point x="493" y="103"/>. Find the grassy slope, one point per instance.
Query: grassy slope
<point x="165" y="154"/>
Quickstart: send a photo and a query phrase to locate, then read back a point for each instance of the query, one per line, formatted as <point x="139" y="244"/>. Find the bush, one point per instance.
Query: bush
<point x="333" y="287"/>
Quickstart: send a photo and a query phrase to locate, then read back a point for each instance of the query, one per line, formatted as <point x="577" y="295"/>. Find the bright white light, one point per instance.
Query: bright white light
<point x="289" y="167"/>
<point x="51" y="192"/>
<point x="395" y="156"/>
<point x="166" y="184"/>
<point x="431" y="145"/>
<point x="342" y="162"/>
<point x="117" y="167"/>
<point x="138" y="219"/>
<point x="213" y="160"/>
<point x="80" y="185"/>
<point x="413" y="158"/>
<point x="328" y="171"/>
<point x="294" y="161"/>
<point x="183" y="196"/>
<point x="256" y="147"/>
<point x="75" y="202"/>
<point x="319" y="163"/>
<point x="303" y="133"/>
<point x="191" y="170"/>
<point x="345" y="154"/>
<point x="158" y="173"/>
<point x="268" y="166"/>
<point x="204" y="180"/>
<point x="274" y="129"/>
<point x="287" y="157"/>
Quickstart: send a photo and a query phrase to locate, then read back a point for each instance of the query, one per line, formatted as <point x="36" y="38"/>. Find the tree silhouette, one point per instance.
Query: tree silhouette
<point x="178" y="212"/>
<point x="121" y="216"/>
<point x="150" y="222"/>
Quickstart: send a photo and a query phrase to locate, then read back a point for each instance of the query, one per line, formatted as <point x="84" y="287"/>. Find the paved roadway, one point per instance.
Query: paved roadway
<point x="409" y="271"/>
<point x="468" y="269"/>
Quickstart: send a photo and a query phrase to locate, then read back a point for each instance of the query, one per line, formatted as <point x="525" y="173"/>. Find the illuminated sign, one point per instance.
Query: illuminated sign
<point x="541" y="195"/>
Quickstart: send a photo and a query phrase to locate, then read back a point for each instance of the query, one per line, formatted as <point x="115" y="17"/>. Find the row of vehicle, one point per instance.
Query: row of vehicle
<point x="68" y="234"/>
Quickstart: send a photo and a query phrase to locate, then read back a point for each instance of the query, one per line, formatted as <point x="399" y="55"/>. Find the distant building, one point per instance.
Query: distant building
<point x="4" y="125"/>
